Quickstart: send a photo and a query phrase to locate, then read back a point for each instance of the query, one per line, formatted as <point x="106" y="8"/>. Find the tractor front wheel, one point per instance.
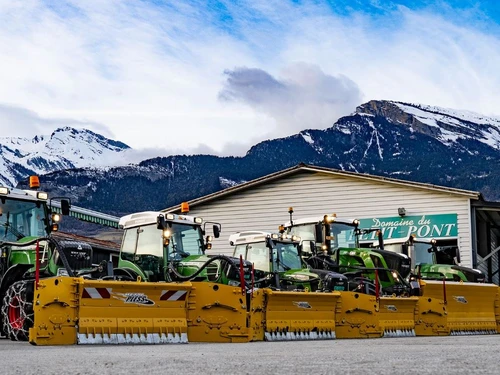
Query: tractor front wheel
<point x="17" y="310"/>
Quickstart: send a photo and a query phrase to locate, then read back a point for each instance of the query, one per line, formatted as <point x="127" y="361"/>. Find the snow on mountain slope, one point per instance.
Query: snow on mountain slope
<point x="454" y="124"/>
<point x="446" y="125"/>
<point x="64" y="148"/>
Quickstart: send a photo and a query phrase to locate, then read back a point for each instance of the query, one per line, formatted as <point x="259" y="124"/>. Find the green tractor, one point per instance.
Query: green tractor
<point x="29" y="252"/>
<point x="158" y="246"/>
<point x="332" y="243"/>
<point x="432" y="260"/>
<point x="277" y="263"/>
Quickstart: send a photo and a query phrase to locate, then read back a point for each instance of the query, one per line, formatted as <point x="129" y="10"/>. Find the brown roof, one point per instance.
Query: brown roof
<point x="94" y="242"/>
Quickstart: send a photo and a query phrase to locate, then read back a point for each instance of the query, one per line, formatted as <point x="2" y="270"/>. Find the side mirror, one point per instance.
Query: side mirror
<point x="404" y="249"/>
<point x="160" y="222"/>
<point x="216" y="231"/>
<point x="318" y="232"/>
<point x="457" y="254"/>
<point x="380" y="237"/>
<point x="65" y="205"/>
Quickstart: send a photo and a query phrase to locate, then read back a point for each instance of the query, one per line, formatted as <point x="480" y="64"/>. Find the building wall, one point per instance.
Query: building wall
<point x="265" y="207"/>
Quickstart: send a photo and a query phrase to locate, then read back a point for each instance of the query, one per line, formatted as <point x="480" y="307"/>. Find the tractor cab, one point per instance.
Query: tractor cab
<point x="437" y="259"/>
<point x="277" y="262"/>
<point x="26" y="221"/>
<point x="333" y="243"/>
<point x="152" y="241"/>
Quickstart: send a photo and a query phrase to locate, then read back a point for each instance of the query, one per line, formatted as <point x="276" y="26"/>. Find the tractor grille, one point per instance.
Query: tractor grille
<point x="212" y="271"/>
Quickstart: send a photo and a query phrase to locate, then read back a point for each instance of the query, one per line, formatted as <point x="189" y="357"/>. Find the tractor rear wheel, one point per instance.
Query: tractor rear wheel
<point x="17" y="310"/>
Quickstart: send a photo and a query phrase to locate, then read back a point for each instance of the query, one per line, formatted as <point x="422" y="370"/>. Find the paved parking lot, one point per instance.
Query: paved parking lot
<point x="415" y="355"/>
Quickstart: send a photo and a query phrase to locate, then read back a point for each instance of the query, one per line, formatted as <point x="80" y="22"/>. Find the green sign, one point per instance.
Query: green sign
<point x="424" y="226"/>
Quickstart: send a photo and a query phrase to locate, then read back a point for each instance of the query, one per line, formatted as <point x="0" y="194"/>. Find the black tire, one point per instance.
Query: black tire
<point x="17" y="310"/>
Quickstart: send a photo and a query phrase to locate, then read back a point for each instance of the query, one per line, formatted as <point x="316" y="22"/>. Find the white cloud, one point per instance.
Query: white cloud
<point x="304" y="98"/>
<point x="23" y="122"/>
<point x="152" y="73"/>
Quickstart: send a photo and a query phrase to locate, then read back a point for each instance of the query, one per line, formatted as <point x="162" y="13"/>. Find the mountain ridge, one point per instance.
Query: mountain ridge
<point x="64" y="148"/>
<point x="386" y="138"/>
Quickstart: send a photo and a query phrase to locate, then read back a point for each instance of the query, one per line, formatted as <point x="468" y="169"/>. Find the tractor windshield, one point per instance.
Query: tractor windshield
<point x="19" y="219"/>
<point x="144" y="247"/>
<point x="184" y="240"/>
<point x="342" y="235"/>
<point x="339" y="234"/>
<point x="286" y="256"/>
<point x="422" y="255"/>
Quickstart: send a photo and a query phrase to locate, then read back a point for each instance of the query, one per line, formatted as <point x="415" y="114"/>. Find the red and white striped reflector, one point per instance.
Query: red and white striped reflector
<point x="173" y="295"/>
<point x="97" y="293"/>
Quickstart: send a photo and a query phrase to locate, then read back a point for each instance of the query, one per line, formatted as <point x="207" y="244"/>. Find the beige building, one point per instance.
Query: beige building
<point x="399" y="207"/>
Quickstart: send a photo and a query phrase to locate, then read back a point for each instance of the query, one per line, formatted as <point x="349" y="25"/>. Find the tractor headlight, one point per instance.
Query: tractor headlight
<point x="274" y="236"/>
<point x="4" y="190"/>
<point x="167" y="233"/>
<point x="42" y="195"/>
<point x="296" y="238"/>
<point x="56" y="218"/>
<point x="170" y="216"/>
<point x="198" y="220"/>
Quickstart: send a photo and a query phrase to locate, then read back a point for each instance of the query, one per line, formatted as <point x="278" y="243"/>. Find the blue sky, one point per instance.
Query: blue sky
<point x="218" y="76"/>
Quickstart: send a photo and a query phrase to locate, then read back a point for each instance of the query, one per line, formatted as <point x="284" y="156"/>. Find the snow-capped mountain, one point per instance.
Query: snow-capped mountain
<point x="387" y="138"/>
<point x="446" y="125"/>
<point x="65" y="148"/>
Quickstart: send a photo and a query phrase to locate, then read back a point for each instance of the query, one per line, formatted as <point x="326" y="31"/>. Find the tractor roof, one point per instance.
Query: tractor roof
<point x="27" y="195"/>
<point x="319" y="219"/>
<point x="150" y="217"/>
<point x="260" y="236"/>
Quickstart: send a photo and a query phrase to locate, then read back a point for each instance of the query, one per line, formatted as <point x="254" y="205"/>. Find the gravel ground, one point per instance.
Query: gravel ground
<point x="415" y="355"/>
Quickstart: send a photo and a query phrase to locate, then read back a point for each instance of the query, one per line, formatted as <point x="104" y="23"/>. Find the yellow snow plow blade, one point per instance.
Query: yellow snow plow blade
<point x="218" y="313"/>
<point x="431" y="317"/>
<point x="470" y="306"/>
<point x="299" y="315"/>
<point x="397" y="316"/>
<point x="357" y="316"/>
<point x="73" y="310"/>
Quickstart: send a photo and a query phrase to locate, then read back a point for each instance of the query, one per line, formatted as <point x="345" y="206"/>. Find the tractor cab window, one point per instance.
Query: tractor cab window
<point x="342" y="235"/>
<point x="145" y="240"/>
<point x="240" y="250"/>
<point x="143" y="246"/>
<point x="185" y="240"/>
<point x="256" y="253"/>
<point x="286" y="257"/>
<point x="19" y="219"/>
<point x="306" y="233"/>
<point x="422" y="254"/>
